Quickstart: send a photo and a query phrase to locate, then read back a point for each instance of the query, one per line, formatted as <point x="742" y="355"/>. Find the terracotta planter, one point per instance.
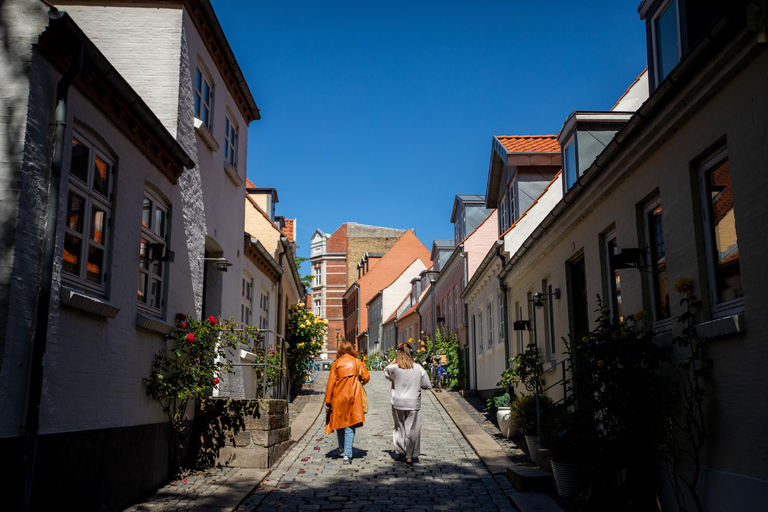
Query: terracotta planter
<point x="567" y="479"/>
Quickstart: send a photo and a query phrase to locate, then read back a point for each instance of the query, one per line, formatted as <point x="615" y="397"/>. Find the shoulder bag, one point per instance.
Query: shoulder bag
<point x="362" y="389"/>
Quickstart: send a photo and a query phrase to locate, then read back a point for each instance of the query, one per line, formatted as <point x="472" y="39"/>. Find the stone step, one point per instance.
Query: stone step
<point x="530" y="478"/>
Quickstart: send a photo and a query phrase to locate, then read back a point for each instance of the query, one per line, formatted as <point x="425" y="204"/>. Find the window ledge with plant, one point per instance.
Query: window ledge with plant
<point x="205" y="134"/>
<point x="88" y="303"/>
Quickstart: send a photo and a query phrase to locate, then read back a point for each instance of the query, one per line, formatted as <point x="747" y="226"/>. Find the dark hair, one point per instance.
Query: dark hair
<point x="345" y="347"/>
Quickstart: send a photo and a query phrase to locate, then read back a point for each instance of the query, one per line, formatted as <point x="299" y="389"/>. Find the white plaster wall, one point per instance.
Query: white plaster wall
<point x="514" y="239"/>
<point x="94" y="366"/>
<point x="27" y="94"/>
<point x="393" y="294"/>
<point x="635" y="96"/>
<point x="490" y="361"/>
<point x="142" y="43"/>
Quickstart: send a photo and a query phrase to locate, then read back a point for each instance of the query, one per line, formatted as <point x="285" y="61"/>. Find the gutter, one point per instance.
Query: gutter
<point x="41" y="311"/>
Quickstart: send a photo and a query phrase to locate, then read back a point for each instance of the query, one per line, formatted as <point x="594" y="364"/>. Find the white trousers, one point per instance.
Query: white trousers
<point x="406" y="435"/>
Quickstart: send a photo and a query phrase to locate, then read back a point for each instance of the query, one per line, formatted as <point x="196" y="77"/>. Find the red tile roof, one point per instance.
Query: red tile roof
<point x="249" y="183"/>
<point x="529" y="143"/>
<point x="288" y="229"/>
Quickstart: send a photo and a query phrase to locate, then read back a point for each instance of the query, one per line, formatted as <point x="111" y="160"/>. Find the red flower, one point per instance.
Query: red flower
<point x="181" y="317"/>
<point x="212" y="319"/>
<point x="183" y="325"/>
<point x="215" y="381"/>
<point x="190" y="337"/>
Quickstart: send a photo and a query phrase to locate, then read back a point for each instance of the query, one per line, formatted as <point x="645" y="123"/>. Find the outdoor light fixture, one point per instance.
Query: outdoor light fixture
<point x="539" y="297"/>
<point x="221" y="263"/>
<point x="628" y="258"/>
<point x="521" y="325"/>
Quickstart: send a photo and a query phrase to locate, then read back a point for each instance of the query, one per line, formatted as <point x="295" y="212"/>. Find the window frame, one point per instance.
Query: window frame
<point x="660" y="11"/>
<point x="246" y="299"/>
<point x="91" y="198"/>
<point x="610" y="275"/>
<point x="205" y="79"/>
<point x="264" y="310"/>
<point x="149" y="235"/>
<point x="231" y="138"/>
<point x="570" y="143"/>
<point x="549" y="320"/>
<point x="659" y="324"/>
<point x="480" y="347"/>
<point x="730" y="307"/>
<point x="489" y="310"/>
<point x="502" y="320"/>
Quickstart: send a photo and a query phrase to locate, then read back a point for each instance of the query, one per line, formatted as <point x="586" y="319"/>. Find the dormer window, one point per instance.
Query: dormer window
<point x="666" y="39"/>
<point x="569" y="163"/>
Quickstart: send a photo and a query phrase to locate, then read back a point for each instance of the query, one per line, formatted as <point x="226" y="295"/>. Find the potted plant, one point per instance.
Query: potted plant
<point x="523" y="413"/>
<point x="502" y="405"/>
<point x="568" y="437"/>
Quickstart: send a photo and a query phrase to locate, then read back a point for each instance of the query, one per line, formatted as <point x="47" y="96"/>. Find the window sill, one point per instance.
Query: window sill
<point x="247" y="356"/>
<point x="88" y="303"/>
<point x="205" y="134"/>
<point x="231" y="173"/>
<point x="726" y="326"/>
<point x="153" y="324"/>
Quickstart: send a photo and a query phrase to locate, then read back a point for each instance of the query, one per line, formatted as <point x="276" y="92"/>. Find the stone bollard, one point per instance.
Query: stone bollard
<point x="242" y="433"/>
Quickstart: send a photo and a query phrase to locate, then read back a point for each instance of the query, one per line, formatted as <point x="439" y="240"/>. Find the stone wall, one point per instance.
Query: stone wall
<point x="242" y="433"/>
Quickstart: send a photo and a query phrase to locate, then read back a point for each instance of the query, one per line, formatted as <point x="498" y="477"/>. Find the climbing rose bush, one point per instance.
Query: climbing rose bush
<point x="305" y="337"/>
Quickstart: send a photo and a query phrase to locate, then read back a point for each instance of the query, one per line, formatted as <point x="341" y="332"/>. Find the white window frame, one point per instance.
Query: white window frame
<point x="489" y="310"/>
<point x="733" y="306"/>
<point x="231" y="136"/>
<point x="480" y="330"/>
<point x="456" y="306"/>
<point x="157" y="271"/>
<point x="570" y="143"/>
<point x="521" y="333"/>
<point x="449" y="316"/>
<point x="318" y="275"/>
<point x="201" y="105"/>
<point x="246" y="300"/>
<point x="659" y="324"/>
<point x="502" y="320"/>
<point x="91" y="199"/>
<point x="654" y="38"/>
<point x="264" y="310"/>
<point x="549" y="320"/>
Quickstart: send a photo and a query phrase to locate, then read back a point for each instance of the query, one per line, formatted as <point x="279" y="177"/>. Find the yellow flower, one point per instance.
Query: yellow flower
<point x="639" y="315"/>
<point x="325" y="321"/>
<point x="410" y="340"/>
<point x="300" y="344"/>
<point x="684" y="285"/>
<point x="301" y="304"/>
<point x="601" y="363"/>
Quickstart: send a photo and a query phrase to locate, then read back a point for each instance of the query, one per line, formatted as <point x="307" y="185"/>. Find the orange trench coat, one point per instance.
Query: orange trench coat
<point x="344" y="393"/>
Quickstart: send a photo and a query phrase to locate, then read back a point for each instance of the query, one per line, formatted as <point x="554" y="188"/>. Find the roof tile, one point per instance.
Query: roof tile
<point x="530" y="143"/>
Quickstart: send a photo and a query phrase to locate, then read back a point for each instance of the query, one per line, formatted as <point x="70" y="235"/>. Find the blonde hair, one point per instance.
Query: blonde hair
<point x="403" y="357"/>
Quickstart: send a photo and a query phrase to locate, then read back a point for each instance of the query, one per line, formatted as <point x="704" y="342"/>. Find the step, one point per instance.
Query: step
<point x="530" y="478"/>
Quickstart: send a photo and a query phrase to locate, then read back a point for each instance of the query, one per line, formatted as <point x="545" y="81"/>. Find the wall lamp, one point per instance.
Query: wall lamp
<point x="538" y="298"/>
<point x="220" y="263"/>
<point x="628" y="258"/>
<point x="521" y="325"/>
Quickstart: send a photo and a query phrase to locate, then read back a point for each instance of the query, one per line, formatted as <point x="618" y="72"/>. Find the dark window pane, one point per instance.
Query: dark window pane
<point x="143" y="249"/>
<point x="98" y="220"/>
<point x="71" y="257"/>
<point x="101" y="177"/>
<point x="199" y="81"/>
<point x="79" y="162"/>
<point x="667" y="44"/>
<point x="95" y="264"/>
<point x="570" y="164"/>
<point x="658" y="264"/>
<point x="146" y="213"/>
<point x="197" y="105"/>
<point x="75" y="207"/>
<point x="156" y="289"/>
<point x="157" y="268"/>
<point x="723" y="232"/>
<point x="143" y="279"/>
<point x="160" y="216"/>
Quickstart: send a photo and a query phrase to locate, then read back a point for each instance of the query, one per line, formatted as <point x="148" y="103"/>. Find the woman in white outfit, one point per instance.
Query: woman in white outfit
<point x="408" y="379"/>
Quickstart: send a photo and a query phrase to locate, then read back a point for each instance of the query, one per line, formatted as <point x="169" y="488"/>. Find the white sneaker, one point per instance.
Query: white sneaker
<point x="347" y="460"/>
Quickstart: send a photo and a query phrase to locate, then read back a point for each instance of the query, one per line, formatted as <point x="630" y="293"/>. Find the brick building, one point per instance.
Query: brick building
<point x="336" y="263"/>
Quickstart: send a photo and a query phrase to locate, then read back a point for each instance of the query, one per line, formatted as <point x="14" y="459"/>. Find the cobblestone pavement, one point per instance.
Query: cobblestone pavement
<point x="447" y="476"/>
<point x="298" y="402"/>
<point x="187" y="492"/>
<point x="515" y="448"/>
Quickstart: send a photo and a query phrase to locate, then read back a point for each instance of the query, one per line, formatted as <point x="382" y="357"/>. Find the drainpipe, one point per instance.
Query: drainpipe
<point x="504" y="309"/>
<point x="281" y="331"/>
<point x="41" y="311"/>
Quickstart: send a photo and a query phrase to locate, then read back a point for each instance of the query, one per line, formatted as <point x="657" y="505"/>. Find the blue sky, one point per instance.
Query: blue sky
<point x="380" y="113"/>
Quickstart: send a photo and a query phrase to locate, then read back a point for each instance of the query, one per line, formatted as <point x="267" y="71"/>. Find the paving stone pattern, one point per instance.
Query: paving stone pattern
<point x="188" y="492"/>
<point x="515" y="448"/>
<point x="298" y="402"/>
<point x="447" y="476"/>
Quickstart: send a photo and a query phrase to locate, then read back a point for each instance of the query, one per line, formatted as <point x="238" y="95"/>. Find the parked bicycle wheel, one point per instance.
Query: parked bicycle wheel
<point x="444" y="379"/>
<point x="312" y="372"/>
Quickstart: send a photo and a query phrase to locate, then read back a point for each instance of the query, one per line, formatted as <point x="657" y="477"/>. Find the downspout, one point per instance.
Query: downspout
<point x="504" y="310"/>
<point x="41" y="311"/>
<point x="281" y="330"/>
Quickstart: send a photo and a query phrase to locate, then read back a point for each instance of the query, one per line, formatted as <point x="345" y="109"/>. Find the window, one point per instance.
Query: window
<point x="264" y="311"/>
<point x="318" y="275"/>
<point x="571" y="173"/>
<point x="230" y="142"/>
<point x="203" y="99"/>
<point x="480" y="330"/>
<point x="154" y="232"/>
<point x="613" y="279"/>
<point x="318" y="307"/>
<point x="666" y="40"/>
<point x="502" y="320"/>
<point x="720" y="236"/>
<point x="489" y="309"/>
<point x="456" y="306"/>
<point x="520" y="333"/>
<point x="549" y="320"/>
<point x="246" y="300"/>
<point x="449" y="317"/>
<point x="89" y="209"/>
<point x="657" y="261"/>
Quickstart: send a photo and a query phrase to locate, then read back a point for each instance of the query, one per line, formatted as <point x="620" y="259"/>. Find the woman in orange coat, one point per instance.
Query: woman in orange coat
<point x="344" y="397"/>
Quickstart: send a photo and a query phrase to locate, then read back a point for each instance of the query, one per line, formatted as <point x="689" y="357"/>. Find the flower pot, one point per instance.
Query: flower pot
<point x="502" y="417"/>
<point x="533" y="447"/>
<point x="567" y="479"/>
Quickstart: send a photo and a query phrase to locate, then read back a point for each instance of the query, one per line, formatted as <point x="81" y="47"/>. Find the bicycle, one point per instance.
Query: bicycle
<point x="438" y="374"/>
<point x="380" y="363"/>
<point x="312" y="372"/>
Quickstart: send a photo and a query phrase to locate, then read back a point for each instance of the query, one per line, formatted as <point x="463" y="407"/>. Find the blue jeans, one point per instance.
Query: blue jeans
<point x="346" y="438"/>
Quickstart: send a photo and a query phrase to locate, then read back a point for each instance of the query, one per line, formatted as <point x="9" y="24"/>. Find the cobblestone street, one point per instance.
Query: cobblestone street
<point x="447" y="476"/>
